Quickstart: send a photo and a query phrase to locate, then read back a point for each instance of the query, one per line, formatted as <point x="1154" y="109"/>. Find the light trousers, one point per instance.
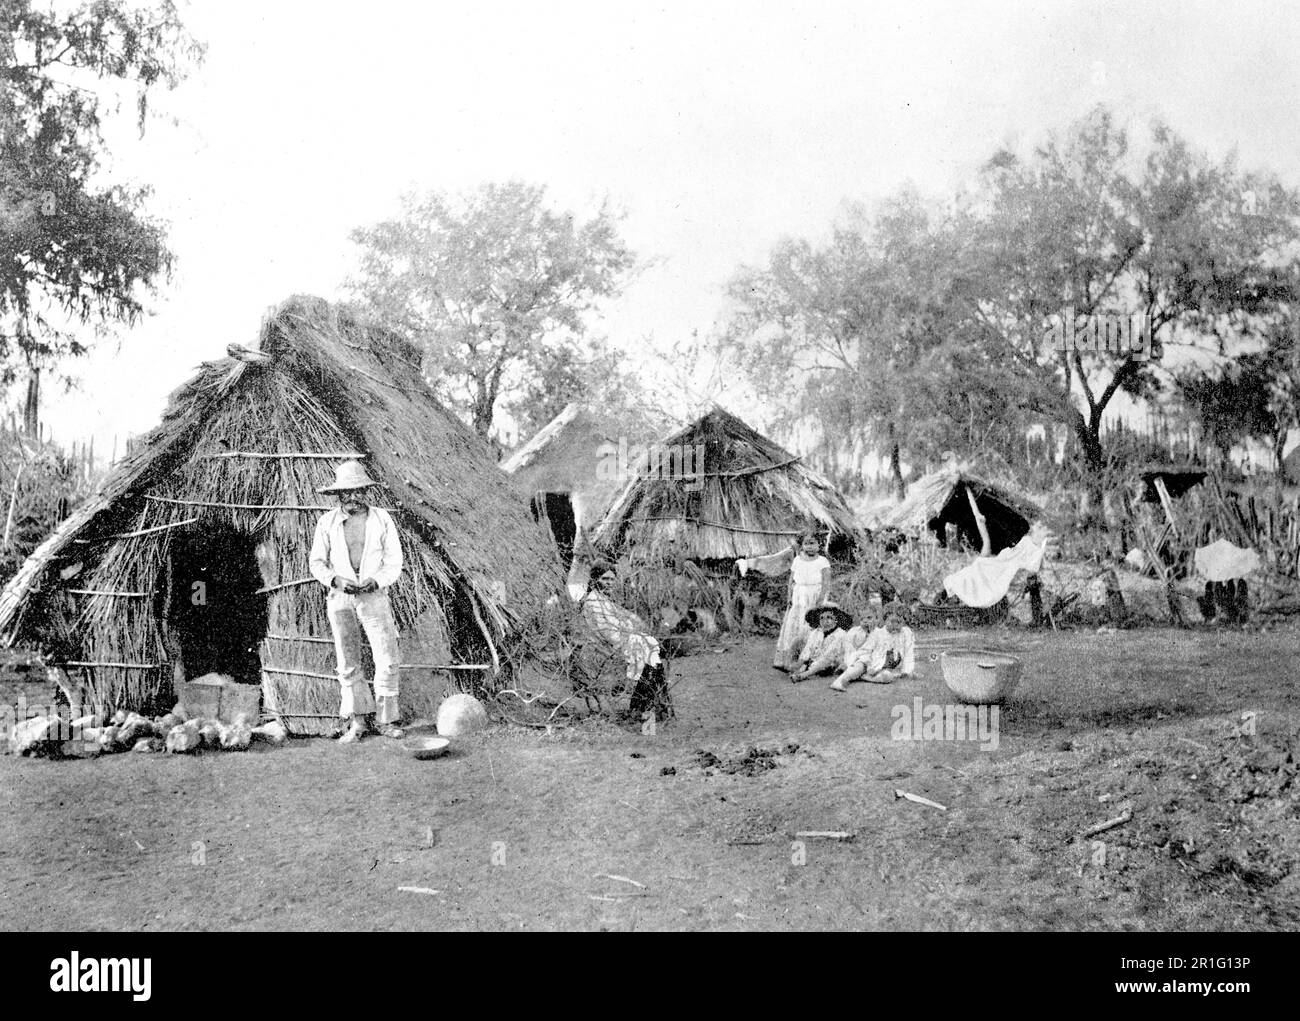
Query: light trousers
<point x="371" y="615"/>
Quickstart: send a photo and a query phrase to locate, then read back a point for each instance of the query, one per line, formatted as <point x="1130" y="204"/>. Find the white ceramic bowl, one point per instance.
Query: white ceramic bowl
<point x="428" y="747"/>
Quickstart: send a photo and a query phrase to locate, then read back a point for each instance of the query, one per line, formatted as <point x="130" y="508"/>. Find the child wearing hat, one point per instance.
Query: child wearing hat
<point x="829" y="644"/>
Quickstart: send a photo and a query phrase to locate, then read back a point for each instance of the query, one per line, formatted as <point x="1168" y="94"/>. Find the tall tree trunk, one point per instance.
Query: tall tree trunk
<point x="32" y="407"/>
<point x="1088" y="432"/>
<point x="895" y="467"/>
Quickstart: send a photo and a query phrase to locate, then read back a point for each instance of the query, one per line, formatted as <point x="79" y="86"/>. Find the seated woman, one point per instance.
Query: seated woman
<point x="888" y="654"/>
<point x="827" y="648"/>
<point x="623" y="631"/>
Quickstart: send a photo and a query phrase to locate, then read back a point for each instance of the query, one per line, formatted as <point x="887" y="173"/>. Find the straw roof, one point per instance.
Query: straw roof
<point x="1290" y="468"/>
<point x="243" y="446"/>
<point x="940" y="497"/>
<point x="720" y="490"/>
<point x="1178" y="479"/>
<point x="576" y="454"/>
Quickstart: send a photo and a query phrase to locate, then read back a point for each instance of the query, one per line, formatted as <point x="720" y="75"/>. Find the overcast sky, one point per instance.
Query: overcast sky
<point x="717" y="128"/>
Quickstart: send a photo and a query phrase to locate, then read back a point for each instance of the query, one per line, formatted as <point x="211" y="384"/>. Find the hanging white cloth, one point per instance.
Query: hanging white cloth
<point x="1222" y="561"/>
<point x="985" y="580"/>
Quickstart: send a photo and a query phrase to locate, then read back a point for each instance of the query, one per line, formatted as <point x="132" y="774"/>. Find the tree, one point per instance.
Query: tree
<point x="492" y="285"/>
<point x="874" y="333"/>
<point x="1254" y="396"/>
<point x="74" y="249"/>
<point x="593" y="374"/>
<point x="1204" y="252"/>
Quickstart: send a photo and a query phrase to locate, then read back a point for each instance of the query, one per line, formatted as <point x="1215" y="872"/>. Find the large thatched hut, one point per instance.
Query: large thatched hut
<point x="943" y="498"/>
<point x="717" y="490"/>
<point x="194" y="550"/>
<point x="569" y="471"/>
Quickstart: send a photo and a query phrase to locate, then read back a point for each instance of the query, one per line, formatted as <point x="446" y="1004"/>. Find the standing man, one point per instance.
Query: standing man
<point x="357" y="556"/>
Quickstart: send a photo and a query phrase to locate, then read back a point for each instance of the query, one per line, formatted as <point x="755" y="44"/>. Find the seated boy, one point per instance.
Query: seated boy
<point x="888" y="654"/>
<point x="827" y="648"/>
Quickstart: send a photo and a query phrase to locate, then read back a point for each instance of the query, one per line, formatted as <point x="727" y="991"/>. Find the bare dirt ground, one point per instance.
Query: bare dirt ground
<point x="520" y="829"/>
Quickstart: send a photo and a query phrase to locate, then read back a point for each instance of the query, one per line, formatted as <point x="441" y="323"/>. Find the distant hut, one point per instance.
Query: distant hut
<point x="1290" y="467"/>
<point x="192" y="556"/>
<point x="569" y="471"/>
<point x="943" y="498"/>
<point x="716" y="491"/>
<point x="1175" y="479"/>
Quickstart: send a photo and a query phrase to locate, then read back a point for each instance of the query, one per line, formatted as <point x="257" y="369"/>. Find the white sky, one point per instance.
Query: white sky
<point x="717" y="127"/>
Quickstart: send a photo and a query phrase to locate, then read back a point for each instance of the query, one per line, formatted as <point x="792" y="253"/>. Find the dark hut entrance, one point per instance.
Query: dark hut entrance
<point x="1006" y="526"/>
<point x="555" y="510"/>
<point x="215" y="617"/>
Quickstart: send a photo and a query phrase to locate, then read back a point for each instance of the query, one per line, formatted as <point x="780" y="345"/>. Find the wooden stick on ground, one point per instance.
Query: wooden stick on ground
<point x="919" y="800"/>
<point x="826" y="834"/>
<point x="1109" y="824"/>
<point x="620" y="879"/>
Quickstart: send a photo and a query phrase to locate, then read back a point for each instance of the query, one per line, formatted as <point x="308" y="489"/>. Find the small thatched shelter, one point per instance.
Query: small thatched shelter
<point x="194" y="550"/>
<point x="569" y="471"/>
<point x="940" y="498"/>
<point x="717" y="490"/>
<point x="1178" y="479"/>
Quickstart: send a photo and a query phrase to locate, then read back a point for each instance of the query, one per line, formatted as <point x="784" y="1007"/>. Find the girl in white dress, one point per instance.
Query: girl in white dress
<point x="810" y="575"/>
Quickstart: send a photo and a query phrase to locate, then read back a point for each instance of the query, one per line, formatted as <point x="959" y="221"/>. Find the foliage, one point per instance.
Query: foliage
<point x="39" y="485"/>
<point x="73" y="248"/>
<point x="925" y="330"/>
<point x="592" y="374"/>
<point x="1256" y="396"/>
<point x="497" y="287"/>
<point x="1203" y="250"/>
<point x="873" y="333"/>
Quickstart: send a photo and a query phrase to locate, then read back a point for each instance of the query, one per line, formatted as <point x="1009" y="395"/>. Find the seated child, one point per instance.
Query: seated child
<point x="827" y="648"/>
<point x="888" y="654"/>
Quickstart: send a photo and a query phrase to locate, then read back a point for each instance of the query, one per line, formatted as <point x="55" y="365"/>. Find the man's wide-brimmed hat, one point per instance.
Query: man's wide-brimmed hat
<point x="349" y="475"/>
<point x="813" y="616"/>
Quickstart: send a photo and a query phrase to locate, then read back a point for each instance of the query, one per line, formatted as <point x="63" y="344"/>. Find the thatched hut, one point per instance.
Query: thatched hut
<point x="942" y="497"/>
<point x="569" y="471"/>
<point x="192" y="556"/>
<point x="1176" y="479"/>
<point x="717" y="490"/>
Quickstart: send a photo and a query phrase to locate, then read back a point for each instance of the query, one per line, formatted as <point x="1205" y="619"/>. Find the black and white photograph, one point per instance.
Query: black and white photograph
<point x="680" y="466"/>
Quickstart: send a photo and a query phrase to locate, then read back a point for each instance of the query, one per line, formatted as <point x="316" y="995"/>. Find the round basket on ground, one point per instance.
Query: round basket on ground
<point x="428" y="747"/>
<point x="980" y="677"/>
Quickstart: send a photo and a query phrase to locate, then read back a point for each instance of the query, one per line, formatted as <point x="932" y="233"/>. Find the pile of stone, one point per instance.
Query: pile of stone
<point x="176" y="732"/>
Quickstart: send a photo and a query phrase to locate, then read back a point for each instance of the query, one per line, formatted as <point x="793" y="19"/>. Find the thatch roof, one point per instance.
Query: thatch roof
<point x="576" y="454"/>
<point x="1178" y="479"/>
<point x="731" y="493"/>
<point x="940" y="497"/>
<point x="242" y="447"/>
<point x="1290" y="467"/>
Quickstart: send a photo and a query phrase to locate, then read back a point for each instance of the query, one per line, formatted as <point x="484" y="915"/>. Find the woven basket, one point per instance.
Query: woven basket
<point x="980" y="677"/>
<point x="957" y="615"/>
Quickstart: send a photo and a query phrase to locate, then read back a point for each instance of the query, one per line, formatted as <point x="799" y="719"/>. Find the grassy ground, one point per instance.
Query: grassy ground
<point x="520" y="829"/>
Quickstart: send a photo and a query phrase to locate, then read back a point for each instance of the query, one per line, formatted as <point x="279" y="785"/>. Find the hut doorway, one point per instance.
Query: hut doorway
<point x="1006" y="526"/>
<point x="555" y="510"/>
<point x="215" y="617"/>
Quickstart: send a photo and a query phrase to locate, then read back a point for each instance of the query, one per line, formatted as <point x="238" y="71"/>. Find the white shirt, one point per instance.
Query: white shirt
<point x="381" y="556"/>
<point x="824" y="651"/>
<point x="875" y="652"/>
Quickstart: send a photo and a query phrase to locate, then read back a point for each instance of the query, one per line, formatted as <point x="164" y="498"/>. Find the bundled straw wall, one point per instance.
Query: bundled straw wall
<point x="244" y="447"/>
<point x="748" y="497"/>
